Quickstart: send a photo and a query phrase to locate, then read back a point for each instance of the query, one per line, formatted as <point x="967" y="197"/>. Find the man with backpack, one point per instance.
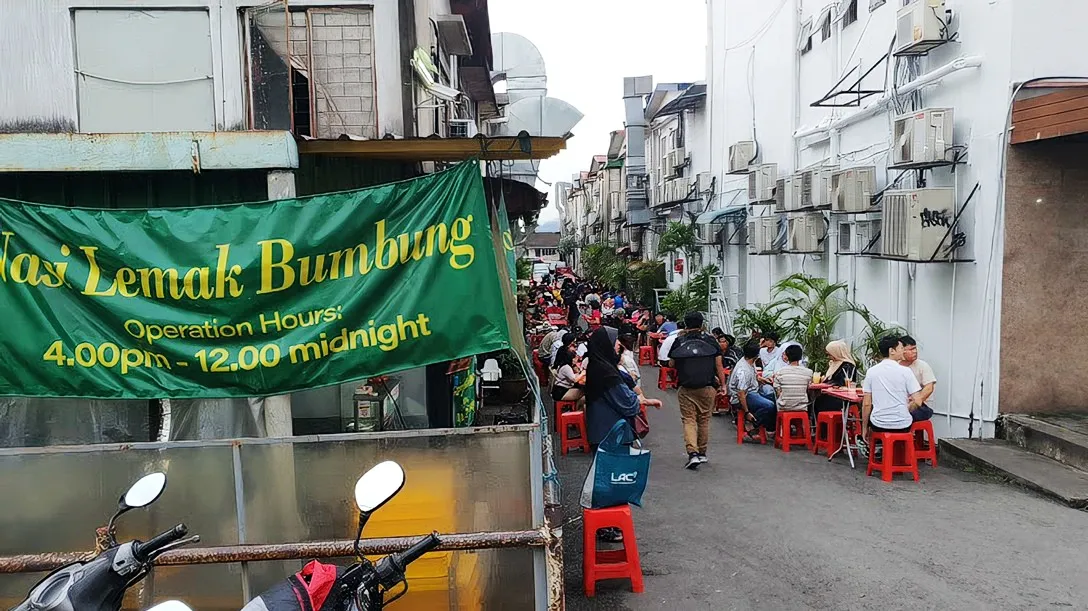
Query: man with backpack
<point x="698" y="362"/>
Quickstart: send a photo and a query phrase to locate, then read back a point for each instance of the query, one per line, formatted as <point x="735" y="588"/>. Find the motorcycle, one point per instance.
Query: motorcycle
<point x="363" y="585"/>
<point x="100" y="583"/>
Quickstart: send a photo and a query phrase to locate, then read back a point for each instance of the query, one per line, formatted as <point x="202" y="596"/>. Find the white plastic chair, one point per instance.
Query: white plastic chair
<point x="490" y="374"/>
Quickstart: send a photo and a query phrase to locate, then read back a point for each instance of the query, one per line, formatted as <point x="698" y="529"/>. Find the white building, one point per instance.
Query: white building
<point x="770" y="61"/>
<point x="677" y="166"/>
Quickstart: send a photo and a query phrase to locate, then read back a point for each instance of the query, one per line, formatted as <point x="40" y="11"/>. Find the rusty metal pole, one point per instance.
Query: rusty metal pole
<point x="33" y="563"/>
<point x="553" y="554"/>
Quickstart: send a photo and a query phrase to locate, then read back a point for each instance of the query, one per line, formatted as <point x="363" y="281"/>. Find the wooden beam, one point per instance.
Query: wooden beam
<point x="1019" y="116"/>
<point x="1062" y="113"/>
<point x="437" y="149"/>
<point x="1071" y="128"/>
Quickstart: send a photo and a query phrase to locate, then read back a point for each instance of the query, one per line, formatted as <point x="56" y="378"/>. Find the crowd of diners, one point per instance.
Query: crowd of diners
<point x="592" y="354"/>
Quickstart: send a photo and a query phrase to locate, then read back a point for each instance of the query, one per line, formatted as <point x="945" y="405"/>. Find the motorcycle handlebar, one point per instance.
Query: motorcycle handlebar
<point x="145" y="550"/>
<point x="419" y="548"/>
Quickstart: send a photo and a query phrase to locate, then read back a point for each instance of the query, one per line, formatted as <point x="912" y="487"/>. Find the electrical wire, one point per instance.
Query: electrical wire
<point x="760" y="31"/>
<point x="110" y="79"/>
<point x="857" y="44"/>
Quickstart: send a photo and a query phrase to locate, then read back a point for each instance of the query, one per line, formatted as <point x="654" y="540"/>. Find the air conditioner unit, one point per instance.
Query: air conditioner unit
<point x="791" y="201"/>
<point x="917" y="224"/>
<point x="681" y="185"/>
<point x="921" y="26"/>
<point x="861" y="237"/>
<point x="922" y="137"/>
<point x="852" y="189"/>
<point x="617" y="213"/>
<point x="462" y="128"/>
<point x="680" y="159"/>
<point x="780" y="195"/>
<point x="704" y="182"/>
<point x="805" y="232"/>
<point x="740" y="155"/>
<point x="820" y="188"/>
<point x="762" y="233"/>
<point x="761" y="182"/>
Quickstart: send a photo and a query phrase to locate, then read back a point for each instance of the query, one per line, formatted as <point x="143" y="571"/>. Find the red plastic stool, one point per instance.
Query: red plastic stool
<point x="647" y="355"/>
<point x="925" y="442"/>
<point x="784" y="437"/>
<point x="563" y="406"/>
<point x="542" y="372"/>
<point x="897" y="455"/>
<point x="578" y="421"/>
<point x="611" y="564"/>
<point x="828" y="432"/>
<point x="740" y="429"/>
<point x="722" y="404"/>
<point x="667" y="378"/>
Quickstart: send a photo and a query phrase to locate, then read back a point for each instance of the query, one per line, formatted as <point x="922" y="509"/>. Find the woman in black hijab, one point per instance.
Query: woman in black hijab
<point x="609" y="392"/>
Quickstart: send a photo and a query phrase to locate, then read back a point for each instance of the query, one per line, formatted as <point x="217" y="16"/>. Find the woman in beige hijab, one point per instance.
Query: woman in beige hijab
<point x="841" y="369"/>
<point x="842" y="366"/>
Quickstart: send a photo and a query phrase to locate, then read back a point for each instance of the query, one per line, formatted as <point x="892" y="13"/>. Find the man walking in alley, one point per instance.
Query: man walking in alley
<point x="698" y="363"/>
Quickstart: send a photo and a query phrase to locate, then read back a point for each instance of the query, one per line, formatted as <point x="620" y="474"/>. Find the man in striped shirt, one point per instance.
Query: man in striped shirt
<point x="791" y="382"/>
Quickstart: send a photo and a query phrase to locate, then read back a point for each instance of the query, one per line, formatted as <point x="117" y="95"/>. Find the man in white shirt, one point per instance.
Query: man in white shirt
<point x="666" y="346"/>
<point x="923" y="373"/>
<point x="891" y="392"/>
<point x="772" y="355"/>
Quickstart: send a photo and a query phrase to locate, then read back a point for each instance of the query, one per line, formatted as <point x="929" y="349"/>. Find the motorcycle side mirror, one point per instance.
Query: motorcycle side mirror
<point x="145" y="491"/>
<point x="378" y="485"/>
<point x="171" y="605"/>
<point x="374" y="489"/>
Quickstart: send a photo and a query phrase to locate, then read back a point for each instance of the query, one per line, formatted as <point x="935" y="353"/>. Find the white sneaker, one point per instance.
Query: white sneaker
<point x="863" y="448"/>
<point x="702" y="459"/>
<point x="693" y="462"/>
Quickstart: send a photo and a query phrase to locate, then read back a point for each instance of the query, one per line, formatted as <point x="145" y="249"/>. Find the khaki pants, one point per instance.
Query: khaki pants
<point x="695" y="407"/>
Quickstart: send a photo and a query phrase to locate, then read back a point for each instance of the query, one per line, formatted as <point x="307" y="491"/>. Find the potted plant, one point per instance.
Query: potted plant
<point x="513" y="384"/>
<point x="812" y="308"/>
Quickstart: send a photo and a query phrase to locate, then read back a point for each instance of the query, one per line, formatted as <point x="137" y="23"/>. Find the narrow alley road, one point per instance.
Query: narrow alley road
<point x="759" y="529"/>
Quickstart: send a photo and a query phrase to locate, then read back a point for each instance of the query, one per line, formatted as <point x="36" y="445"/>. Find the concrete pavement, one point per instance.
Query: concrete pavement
<point x="760" y="529"/>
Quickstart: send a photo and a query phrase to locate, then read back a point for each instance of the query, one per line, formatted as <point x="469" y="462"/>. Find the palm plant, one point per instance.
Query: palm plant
<point x="763" y="317"/>
<point x="875" y="330"/>
<point x="678" y="236"/>
<point x="812" y="308"/>
<point x="601" y="264"/>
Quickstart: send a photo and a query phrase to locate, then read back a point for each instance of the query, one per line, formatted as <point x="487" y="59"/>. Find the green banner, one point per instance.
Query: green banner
<point x="508" y="242"/>
<point x="249" y="299"/>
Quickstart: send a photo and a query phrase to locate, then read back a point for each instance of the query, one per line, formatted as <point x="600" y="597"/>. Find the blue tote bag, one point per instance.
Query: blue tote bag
<point x="620" y="470"/>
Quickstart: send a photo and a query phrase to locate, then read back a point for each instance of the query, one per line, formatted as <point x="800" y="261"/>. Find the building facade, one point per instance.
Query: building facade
<point x="887" y="167"/>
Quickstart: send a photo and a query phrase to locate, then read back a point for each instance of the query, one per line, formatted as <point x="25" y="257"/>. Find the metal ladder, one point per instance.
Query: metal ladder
<point x="724" y="295"/>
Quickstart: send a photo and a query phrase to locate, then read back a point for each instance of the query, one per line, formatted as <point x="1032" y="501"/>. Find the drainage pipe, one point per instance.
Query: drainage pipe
<point x="930" y="78"/>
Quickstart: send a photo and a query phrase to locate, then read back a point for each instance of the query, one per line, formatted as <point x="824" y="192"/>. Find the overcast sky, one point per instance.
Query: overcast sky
<point x="589" y="46"/>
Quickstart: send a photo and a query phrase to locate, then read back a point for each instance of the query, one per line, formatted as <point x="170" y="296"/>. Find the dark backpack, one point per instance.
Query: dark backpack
<point x="695" y="356"/>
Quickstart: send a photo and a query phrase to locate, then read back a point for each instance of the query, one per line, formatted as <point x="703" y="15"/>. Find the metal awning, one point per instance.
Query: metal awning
<point x="505" y="148"/>
<point x="694" y="97"/>
<point x="731" y="208"/>
<point x="719" y="215"/>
